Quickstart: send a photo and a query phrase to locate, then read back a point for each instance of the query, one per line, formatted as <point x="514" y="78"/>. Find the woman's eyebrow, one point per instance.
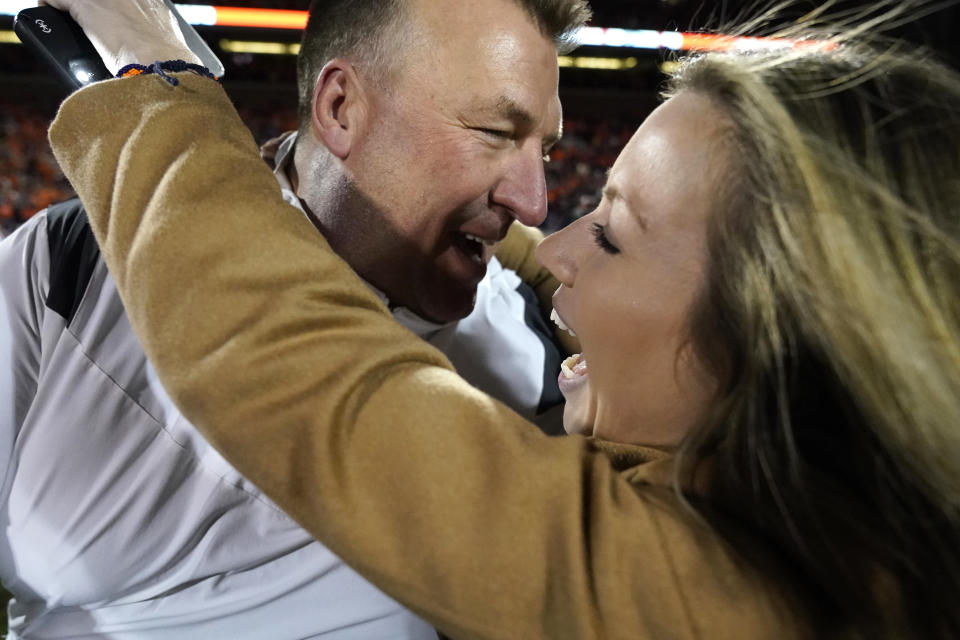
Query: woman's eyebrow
<point x="612" y="194"/>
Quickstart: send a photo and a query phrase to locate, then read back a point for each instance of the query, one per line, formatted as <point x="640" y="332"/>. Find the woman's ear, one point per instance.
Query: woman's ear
<point x="339" y="108"/>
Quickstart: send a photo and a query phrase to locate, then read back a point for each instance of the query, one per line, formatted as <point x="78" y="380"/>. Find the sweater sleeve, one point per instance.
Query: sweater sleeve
<point x="518" y="252"/>
<point x="269" y="343"/>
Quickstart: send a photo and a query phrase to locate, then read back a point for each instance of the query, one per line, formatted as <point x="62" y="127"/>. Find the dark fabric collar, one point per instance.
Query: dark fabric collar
<point x="626" y="456"/>
<point x="655" y="466"/>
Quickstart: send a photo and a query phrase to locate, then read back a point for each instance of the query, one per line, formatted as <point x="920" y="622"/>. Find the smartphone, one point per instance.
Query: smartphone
<point x="55" y="37"/>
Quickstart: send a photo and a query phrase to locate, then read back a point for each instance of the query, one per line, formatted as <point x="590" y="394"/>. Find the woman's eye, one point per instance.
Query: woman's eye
<point x="600" y="235"/>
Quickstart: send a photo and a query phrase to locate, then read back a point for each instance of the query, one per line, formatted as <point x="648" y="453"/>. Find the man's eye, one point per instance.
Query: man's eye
<point x="495" y="133"/>
<point x="600" y="235"/>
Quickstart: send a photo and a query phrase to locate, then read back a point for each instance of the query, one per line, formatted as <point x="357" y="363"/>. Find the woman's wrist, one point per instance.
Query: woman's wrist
<point x="163" y="69"/>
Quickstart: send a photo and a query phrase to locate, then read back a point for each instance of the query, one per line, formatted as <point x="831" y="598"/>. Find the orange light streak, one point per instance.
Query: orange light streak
<point x="707" y="42"/>
<point x="715" y="42"/>
<point x="262" y="18"/>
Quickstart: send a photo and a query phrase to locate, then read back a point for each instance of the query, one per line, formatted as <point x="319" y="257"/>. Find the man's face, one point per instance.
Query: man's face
<point x="453" y="153"/>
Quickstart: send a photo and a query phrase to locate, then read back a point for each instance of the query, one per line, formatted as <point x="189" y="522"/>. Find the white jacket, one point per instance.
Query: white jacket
<point x="121" y="521"/>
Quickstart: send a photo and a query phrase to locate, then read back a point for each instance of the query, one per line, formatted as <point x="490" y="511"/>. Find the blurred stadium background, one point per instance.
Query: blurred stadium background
<point x="607" y="88"/>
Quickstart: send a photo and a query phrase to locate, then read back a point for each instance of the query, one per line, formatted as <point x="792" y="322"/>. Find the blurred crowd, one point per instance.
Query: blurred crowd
<point x="577" y="170"/>
<point x="29" y="176"/>
<point x="30" y="179"/>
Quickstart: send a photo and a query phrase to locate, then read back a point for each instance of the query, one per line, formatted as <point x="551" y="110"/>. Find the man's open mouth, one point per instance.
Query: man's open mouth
<point x="476" y="248"/>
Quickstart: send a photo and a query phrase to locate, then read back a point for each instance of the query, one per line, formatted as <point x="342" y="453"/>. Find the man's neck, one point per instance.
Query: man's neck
<point x="292" y="174"/>
<point x="299" y="156"/>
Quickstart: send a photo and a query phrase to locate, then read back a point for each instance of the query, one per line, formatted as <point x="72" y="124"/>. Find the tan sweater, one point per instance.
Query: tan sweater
<point x="437" y="493"/>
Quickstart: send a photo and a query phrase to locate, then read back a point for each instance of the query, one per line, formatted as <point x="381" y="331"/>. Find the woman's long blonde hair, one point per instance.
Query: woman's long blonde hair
<point x="832" y="314"/>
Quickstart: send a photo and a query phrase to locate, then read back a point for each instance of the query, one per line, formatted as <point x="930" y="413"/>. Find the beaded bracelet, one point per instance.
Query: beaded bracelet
<point x="161" y="69"/>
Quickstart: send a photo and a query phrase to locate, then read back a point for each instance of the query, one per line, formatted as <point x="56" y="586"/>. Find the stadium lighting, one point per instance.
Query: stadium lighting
<point x="589" y="62"/>
<point x="13" y="7"/>
<point x="286" y="48"/>
<point x="269" y="48"/>
<point x="669" y="66"/>
<point x="224" y="16"/>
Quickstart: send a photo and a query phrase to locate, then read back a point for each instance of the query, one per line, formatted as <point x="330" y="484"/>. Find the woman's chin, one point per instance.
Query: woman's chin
<point x="575" y="424"/>
<point x="578" y="411"/>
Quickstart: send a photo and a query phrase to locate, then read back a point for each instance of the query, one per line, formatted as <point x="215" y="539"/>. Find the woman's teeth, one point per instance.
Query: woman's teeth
<point x="573" y="366"/>
<point x="557" y="321"/>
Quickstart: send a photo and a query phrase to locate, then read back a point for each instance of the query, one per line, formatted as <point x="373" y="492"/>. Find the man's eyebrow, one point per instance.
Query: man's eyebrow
<point x="512" y="110"/>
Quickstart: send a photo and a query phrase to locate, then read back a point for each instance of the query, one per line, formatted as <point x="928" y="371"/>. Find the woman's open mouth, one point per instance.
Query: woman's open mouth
<point x="573" y="373"/>
<point x="573" y="370"/>
<point x="557" y="320"/>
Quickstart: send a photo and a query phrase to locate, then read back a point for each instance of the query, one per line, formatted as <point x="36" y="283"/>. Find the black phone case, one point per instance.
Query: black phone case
<point x="56" y="38"/>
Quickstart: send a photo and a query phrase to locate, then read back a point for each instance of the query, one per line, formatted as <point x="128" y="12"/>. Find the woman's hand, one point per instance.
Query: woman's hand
<point x="131" y="31"/>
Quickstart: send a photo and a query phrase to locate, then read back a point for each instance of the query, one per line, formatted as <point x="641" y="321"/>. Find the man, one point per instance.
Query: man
<point x="416" y="151"/>
<point x="423" y="127"/>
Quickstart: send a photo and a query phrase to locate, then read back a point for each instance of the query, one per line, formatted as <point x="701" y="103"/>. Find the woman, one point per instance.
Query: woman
<point x="770" y="371"/>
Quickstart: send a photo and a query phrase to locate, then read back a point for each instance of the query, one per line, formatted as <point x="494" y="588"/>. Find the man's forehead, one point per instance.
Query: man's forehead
<point x="470" y="18"/>
<point x="454" y="31"/>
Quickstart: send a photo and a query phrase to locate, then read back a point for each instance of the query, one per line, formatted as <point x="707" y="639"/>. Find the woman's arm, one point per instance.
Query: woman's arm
<point x="518" y="252"/>
<point x="270" y="344"/>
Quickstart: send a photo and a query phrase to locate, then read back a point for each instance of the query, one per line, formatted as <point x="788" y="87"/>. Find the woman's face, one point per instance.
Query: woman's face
<point x="630" y="272"/>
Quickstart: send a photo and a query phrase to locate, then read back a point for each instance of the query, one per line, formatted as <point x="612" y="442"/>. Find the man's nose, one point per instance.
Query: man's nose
<point x="523" y="189"/>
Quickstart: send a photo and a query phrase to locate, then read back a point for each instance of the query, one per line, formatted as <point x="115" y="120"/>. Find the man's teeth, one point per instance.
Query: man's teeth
<point x="557" y="321"/>
<point x="470" y="236"/>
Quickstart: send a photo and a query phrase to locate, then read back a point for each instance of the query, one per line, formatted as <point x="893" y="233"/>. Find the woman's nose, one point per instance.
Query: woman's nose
<point x="560" y="252"/>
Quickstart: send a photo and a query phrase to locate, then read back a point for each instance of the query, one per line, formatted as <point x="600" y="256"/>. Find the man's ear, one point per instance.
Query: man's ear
<point x="339" y="107"/>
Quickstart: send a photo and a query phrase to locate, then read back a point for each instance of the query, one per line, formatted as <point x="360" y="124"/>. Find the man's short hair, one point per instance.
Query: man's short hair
<point x="367" y="31"/>
<point x="353" y="29"/>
